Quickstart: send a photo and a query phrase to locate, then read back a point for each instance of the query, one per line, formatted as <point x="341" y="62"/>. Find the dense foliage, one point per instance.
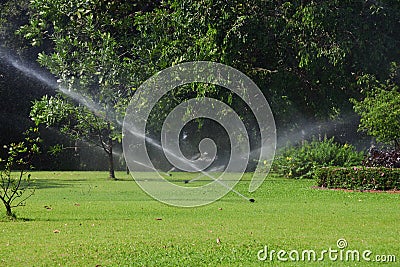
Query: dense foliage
<point x="358" y="178"/>
<point x="382" y="158"/>
<point x="308" y="57"/>
<point x="302" y="160"/>
<point x="380" y="110"/>
<point x="305" y="56"/>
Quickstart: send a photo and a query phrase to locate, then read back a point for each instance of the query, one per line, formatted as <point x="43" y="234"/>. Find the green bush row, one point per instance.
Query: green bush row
<point x="358" y="178"/>
<point x="300" y="161"/>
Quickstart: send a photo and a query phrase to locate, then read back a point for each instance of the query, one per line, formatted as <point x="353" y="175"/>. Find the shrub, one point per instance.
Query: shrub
<point x="15" y="183"/>
<point x="301" y="161"/>
<point x="358" y="178"/>
<point x="382" y="158"/>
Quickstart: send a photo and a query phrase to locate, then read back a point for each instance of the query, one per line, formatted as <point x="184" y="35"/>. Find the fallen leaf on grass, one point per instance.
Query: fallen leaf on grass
<point x="56" y="231"/>
<point x="218" y="240"/>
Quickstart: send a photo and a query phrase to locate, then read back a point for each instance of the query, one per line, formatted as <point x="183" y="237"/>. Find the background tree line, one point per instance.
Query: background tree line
<point x="309" y="58"/>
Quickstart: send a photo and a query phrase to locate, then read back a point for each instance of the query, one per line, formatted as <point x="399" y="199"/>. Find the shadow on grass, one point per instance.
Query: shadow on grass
<point x="4" y="218"/>
<point x="50" y="183"/>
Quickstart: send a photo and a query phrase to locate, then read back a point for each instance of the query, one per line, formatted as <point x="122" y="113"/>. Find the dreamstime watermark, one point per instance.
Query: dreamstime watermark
<point x="136" y="140"/>
<point x="339" y="253"/>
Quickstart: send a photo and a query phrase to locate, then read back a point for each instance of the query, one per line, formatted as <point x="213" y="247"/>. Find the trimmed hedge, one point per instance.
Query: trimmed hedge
<point x="358" y="178"/>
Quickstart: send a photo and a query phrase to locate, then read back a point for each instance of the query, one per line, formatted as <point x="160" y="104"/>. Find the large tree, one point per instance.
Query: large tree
<point x="77" y="122"/>
<point x="94" y="59"/>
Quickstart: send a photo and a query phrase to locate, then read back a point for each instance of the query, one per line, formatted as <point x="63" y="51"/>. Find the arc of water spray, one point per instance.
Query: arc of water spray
<point x="88" y="103"/>
<point x="203" y="173"/>
<point x="221" y="183"/>
<point x="198" y="177"/>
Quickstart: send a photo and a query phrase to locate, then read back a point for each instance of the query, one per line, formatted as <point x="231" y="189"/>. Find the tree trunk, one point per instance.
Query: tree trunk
<point x="110" y="154"/>
<point x="111" y="165"/>
<point x="8" y="210"/>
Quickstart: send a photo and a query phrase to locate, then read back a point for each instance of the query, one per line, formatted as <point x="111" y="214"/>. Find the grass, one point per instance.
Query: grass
<point x="114" y="223"/>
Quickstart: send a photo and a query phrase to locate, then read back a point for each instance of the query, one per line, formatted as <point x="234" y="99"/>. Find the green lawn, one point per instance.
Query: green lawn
<point x="114" y="223"/>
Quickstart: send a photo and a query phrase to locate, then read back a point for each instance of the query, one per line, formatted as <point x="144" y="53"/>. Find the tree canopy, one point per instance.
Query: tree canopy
<point x="307" y="57"/>
<point x="380" y="109"/>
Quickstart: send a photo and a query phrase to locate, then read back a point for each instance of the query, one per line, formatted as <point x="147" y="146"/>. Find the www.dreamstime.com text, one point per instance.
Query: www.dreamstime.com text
<point x="340" y="253"/>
